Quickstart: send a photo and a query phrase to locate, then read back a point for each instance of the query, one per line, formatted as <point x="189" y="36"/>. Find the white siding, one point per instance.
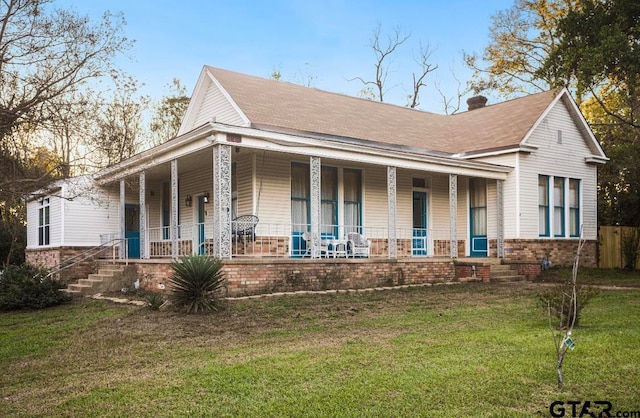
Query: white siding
<point x="215" y="105"/>
<point x="511" y="213"/>
<point x="89" y="215"/>
<point x="404" y="201"/>
<point x="440" y="205"/>
<point x="375" y="200"/>
<point x="154" y="203"/>
<point x="463" y="210"/>
<point x="275" y="198"/>
<point x="566" y="159"/>
<point x="195" y="183"/>
<point x="78" y="214"/>
<point x="32" y="223"/>
<point x="245" y="183"/>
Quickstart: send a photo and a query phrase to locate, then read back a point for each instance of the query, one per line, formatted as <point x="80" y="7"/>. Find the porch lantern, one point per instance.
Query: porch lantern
<point x="206" y="197"/>
<point x="188" y="200"/>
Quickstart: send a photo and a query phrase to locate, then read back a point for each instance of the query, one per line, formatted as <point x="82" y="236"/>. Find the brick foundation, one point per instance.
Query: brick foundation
<point x="482" y="272"/>
<point x="531" y="270"/>
<point x="560" y="253"/>
<point x="51" y="257"/>
<point x="245" y="277"/>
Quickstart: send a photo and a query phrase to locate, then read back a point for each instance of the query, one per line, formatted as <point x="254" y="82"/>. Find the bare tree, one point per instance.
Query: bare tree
<point x="45" y="52"/>
<point x="377" y="88"/>
<point x="69" y="129"/>
<point x="168" y="113"/>
<point x="119" y="127"/>
<point x="562" y="339"/>
<point x="451" y="105"/>
<point x="418" y="78"/>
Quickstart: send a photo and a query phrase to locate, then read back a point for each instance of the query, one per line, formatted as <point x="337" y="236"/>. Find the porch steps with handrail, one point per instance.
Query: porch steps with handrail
<point x="108" y="278"/>
<point x="504" y="273"/>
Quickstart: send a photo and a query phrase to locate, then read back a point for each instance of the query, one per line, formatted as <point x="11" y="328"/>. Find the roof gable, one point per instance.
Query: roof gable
<point x="285" y="107"/>
<point x="209" y="102"/>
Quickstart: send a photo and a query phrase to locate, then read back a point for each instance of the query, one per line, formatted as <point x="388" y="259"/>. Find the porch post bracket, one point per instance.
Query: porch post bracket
<point x="143" y="215"/>
<point x="222" y="201"/>
<point x="453" y="215"/>
<point x="392" y="250"/>
<point x="173" y="232"/>
<point x="122" y="246"/>
<point x="500" y="214"/>
<point x="315" y="168"/>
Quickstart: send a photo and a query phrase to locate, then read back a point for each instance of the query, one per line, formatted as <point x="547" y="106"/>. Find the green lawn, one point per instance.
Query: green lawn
<point x="594" y="276"/>
<point x="464" y="350"/>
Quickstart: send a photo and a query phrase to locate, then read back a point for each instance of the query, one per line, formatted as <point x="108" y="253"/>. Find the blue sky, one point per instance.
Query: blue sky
<point x="326" y="40"/>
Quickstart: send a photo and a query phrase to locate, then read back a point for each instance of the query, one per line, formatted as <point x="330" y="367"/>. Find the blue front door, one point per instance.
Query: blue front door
<point x="132" y="230"/>
<point x="478" y="217"/>
<point x="419" y="238"/>
<point x="201" y="217"/>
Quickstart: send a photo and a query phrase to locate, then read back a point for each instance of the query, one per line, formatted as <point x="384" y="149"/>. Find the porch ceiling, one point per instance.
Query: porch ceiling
<point x="200" y="160"/>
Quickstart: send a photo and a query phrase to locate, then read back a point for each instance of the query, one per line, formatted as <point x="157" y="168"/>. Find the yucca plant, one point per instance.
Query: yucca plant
<point x="154" y="300"/>
<point x="197" y="282"/>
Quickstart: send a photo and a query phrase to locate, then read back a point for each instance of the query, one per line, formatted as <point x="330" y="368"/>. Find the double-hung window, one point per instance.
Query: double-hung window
<point x="329" y="203"/>
<point x="574" y="207"/>
<point x="44" y="222"/>
<point x="558" y="207"/>
<point x="300" y="197"/>
<point x="543" y="206"/>
<point x="352" y="200"/>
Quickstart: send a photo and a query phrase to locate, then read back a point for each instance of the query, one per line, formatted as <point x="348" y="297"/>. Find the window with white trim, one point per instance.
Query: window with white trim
<point x="543" y="206"/>
<point x="329" y="201"/>
<point x="44" y="221"/>
<point x="574" y="207"/>
<point x="352" y="200"/>
<point x="558" y="207"/>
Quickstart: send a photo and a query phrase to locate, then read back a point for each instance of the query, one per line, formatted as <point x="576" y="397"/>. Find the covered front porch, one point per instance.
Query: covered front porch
<point x="240" y="197"/>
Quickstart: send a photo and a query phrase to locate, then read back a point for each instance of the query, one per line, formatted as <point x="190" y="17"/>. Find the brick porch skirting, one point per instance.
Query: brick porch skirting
<point x="255" y="276"/>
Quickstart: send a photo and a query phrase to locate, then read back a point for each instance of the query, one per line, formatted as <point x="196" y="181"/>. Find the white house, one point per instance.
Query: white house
<point x="264" y="169"/>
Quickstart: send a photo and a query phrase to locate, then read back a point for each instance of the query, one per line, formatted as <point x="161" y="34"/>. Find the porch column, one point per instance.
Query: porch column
<point x="453" y="215"/>
<point x="121" y="225"/>
<point x="143" y="215"/>
<point x="222" y="201"/>
<point x="173" y="232"/>
<point x="316" y="202"/>
<point x="392" y="237"/>
<point x="500" y="215"/>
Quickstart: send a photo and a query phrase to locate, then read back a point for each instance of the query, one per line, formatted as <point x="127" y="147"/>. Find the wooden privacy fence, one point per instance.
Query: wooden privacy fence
<point x="610" y="240"/>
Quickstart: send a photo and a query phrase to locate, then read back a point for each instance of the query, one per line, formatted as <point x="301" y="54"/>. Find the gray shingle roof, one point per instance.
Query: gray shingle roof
<point x="281" y="105"/>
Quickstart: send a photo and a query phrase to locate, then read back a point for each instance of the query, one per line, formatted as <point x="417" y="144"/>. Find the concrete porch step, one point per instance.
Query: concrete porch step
<point x="110" y="270"/>
<point x="513" y="278"/>
<point x="504" y="273"/>
<point x="99" y="282"/>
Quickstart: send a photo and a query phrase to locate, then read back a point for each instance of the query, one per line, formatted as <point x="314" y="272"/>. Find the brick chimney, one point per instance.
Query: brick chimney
<point x="476" y="102"/>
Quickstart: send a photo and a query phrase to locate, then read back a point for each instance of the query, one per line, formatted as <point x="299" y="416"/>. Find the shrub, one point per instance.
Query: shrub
<point x="197" y="283"/>
<point x="154" y="300"/>
<point x="26" y="287"/>
<point x="558" y="298"/>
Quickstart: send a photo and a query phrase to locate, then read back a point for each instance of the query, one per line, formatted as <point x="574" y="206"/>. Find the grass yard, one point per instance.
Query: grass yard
<point x="465" y="350"/>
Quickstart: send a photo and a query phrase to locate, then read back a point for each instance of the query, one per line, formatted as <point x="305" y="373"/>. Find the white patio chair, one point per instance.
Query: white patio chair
<point x="320" y="247"/>
<point x="358" y="245"/>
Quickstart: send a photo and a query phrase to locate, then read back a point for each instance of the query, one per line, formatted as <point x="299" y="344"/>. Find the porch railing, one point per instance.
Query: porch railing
<point x="286" y="240"/>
